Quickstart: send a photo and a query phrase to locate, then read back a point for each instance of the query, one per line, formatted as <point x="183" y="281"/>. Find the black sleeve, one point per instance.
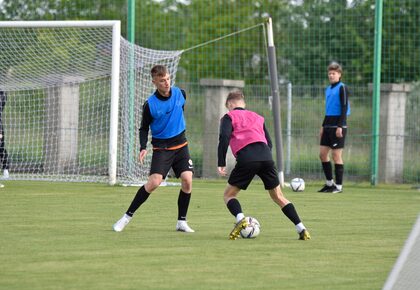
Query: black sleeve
<point x="3" y="98"/>
<point x="146" y="120"/>
<point x="225" y="132"/>
<point x="344" y="101"/>
<point x="185" y="97"/>
<point x="267" y="136"/>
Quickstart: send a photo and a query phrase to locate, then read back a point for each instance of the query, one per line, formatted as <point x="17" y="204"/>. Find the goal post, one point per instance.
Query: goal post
<point x="114" y="74"/>
<point x="70" y="100"/>
<point x="113" y="131"/>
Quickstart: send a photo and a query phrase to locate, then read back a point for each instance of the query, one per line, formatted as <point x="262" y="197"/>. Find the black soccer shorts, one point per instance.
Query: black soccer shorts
<point x="242" y="175"/>
<point x="179" y="160"/>
<point x="330" y="139"/>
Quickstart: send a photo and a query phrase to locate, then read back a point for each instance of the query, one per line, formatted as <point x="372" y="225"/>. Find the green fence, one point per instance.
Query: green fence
<point x="308" y="35"/>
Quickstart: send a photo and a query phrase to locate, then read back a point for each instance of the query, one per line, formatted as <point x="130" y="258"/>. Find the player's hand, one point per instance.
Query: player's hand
<point x="1" y="136"/>
<point x="339" y="132"/>
<point x="142" y="154"/>
<point x="221" y="171"/>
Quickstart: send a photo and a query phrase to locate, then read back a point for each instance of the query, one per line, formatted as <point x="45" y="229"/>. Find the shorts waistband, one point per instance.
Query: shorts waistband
<point x="173" y="147"/>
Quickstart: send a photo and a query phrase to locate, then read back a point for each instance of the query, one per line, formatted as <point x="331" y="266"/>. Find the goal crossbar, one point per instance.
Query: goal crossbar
<point x="75" y="94"/>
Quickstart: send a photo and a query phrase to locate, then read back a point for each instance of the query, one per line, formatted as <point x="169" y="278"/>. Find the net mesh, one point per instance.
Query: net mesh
<point x="57" y="115"/>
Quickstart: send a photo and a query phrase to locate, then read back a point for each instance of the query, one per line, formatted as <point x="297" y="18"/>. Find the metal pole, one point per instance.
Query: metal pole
<point x="376" y="92"/>
<point x="272" y="63"/>
<point x="289" y="127"/>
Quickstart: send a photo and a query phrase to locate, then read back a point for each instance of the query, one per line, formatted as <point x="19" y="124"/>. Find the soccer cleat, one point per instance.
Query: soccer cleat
<point x="327" y="188"/>
<point x="182" y="226"/>
<point x="234" y="234"/>
<point x="121" y="223"/>
<point x="336" y="190"/>
<point x="6" y="174"/>
<point x="304" y="235"/>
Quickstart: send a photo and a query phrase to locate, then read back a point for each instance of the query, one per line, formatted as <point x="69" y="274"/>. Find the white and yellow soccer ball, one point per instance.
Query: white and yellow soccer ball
<point x="252" y="230"/>
<point x="297" y="184"/>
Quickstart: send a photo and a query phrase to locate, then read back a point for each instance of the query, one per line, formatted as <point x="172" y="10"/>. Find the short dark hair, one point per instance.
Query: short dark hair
<point x="335" y="66"/>
<point x="159" y="70"/>
<point x="234" y="96"/>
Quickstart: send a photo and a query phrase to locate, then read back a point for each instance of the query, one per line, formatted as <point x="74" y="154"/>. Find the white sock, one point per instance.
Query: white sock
<point x="339" y="186"/>
<point x="128" y="217"/>
<point x="300" y="227"/>
<point x="330" y="182"/>
<point x="239" y="217"/>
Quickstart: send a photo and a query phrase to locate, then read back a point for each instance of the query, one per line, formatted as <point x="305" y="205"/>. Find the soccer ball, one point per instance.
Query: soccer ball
<point x="252" y="230"/>
<point x="297" y="184"/>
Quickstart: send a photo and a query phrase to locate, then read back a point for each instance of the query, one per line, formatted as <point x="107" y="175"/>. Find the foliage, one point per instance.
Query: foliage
<point x="309" y="34"/>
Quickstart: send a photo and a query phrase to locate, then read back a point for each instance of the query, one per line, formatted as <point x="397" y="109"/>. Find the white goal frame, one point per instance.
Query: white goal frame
<point x="404" y="274"/>
<point x="115" y="74"/>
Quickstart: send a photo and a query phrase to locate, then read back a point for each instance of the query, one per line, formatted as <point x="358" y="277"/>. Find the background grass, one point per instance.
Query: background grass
<point x="58" y="236"/>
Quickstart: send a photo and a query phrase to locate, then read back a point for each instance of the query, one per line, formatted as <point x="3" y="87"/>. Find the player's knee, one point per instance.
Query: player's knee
<point x="153" y="183"/>
<point x="337" y="158"/>
<point x="186" y="186"/>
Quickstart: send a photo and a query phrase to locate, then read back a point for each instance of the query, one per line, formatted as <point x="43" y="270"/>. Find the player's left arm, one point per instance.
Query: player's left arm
<point x="344" y="99"/>
<point x="267" y="136"/>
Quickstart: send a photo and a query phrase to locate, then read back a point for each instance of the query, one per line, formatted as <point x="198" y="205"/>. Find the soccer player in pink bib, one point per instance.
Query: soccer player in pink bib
<point x="245" y="132"/>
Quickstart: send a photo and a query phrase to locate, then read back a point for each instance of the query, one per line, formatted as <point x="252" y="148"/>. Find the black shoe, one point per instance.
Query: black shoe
<point x="327" y="188"/>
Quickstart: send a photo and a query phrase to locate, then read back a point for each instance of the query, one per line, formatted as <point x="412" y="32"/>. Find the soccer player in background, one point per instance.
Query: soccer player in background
<point x="163" y="112"/>
<point x="334" y="129"/>
<point x="4" y="157"/>
<point x="251" y="145"/>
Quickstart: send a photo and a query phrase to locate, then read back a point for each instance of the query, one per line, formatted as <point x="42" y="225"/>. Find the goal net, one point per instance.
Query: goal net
<point x="75" y="91"/>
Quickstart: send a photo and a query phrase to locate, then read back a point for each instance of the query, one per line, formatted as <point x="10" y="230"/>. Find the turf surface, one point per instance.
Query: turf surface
<point x="59" y="236"/>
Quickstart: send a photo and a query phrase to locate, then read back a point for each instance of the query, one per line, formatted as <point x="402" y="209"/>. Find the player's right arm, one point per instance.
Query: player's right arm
<point x="142" y="154"/>
<point x="321" y="131"/>
<point x="222" y="171"/>
<point x="225" y="132"/>
<point x="146" y="120"/>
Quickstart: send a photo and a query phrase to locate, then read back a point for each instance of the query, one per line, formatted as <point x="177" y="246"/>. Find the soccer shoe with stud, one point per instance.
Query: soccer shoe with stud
<point x="121" y="223"/>
<point x="182" y="226"/>
<point x="336" y="190"/>
<point x="327" y="188"/>
<point x="304" y="235"/>
<point x="234" y="234"/>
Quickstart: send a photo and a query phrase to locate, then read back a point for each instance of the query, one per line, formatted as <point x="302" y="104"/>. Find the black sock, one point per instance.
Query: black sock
<point x="138" y="200"/>
<point x="290" y="211"/>
<point x="234" y="207"/>
<point x="183" y="203"/>
<point x="326" y="166"/>
<point x="339" y="172"/>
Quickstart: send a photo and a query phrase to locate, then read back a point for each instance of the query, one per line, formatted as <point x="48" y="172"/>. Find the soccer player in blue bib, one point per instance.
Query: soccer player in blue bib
<point x="163" y="113"/>
<point x="334" y="129"/>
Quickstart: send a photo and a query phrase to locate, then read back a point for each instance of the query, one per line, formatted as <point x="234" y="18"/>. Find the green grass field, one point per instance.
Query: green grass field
<point x="58" y="236"/>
